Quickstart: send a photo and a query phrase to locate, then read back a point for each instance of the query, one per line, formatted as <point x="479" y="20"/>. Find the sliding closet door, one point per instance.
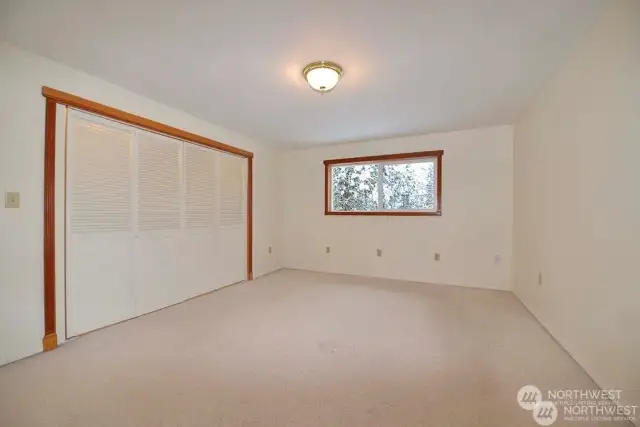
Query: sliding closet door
<point x="199" y="256"/>
<point x="151" y="221"/>
<point x="191" y="226"/>
<point x="213" y="251"/>
<point x="231" y="232"/>
<point x="99" y="257"/>
<point x="158" y="276"/>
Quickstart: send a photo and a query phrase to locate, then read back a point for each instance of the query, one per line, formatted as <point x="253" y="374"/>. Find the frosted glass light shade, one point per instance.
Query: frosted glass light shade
<point x="322" y="76"/>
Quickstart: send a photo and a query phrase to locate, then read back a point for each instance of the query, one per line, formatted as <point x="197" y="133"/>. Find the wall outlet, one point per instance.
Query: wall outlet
<point x="497" y="259"/>
<point x="540" y="278"/>
<point x="436" y="256"/>
<point x="379" y="252"/>
<point x="270" y="250"/>
<point x="11" y="200"/>
<point x="327" y="250"/>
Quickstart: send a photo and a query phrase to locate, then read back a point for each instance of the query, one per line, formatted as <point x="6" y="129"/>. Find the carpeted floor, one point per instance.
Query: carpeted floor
<point x="297" y="348"/>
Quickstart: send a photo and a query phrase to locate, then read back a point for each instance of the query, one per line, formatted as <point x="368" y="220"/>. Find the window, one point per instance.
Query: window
<point x="394" y="184"/>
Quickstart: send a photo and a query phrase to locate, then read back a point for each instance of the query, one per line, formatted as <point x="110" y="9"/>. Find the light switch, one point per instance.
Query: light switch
<point x="11" y="199"/>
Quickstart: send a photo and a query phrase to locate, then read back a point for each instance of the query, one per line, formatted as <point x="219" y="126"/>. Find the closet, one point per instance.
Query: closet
<point x="150" y="221"/>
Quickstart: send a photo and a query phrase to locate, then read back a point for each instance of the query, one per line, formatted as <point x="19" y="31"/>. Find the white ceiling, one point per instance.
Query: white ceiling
<point x="411" y="66"/>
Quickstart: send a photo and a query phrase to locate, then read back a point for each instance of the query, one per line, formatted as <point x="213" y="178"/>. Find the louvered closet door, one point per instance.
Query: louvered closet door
<point x="99" y="256"/>
<point x="231" y="231"/>
<point x="158" y="271"/>
<point x="151" y="221"/>
<point x="199" y="254"/>
<point x="213" y="250"/>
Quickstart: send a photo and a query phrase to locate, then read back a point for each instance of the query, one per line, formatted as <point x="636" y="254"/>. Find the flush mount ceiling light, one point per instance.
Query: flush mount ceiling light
<point x="322" y="76"/>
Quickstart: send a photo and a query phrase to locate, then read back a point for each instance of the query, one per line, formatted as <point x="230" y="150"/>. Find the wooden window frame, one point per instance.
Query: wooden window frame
<point x="54" y="97"/>
<point x="437" y="154"/>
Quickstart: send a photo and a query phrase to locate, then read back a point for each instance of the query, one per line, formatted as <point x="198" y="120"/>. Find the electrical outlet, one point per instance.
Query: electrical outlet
<point x="540" y="278"/>
<point x="270" y="249"/>
<point x="12" y="200"/>
<point x="379" y="251"/>
<point x="436" y="256"/>
<point x="327" y="250"/>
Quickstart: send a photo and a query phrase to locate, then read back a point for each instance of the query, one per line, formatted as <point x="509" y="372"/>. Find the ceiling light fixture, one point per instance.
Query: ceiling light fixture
<point x="322" y="76"/>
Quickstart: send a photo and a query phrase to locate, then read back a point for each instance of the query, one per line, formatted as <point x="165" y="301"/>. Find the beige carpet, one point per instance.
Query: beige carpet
<point x="300" y="349"/>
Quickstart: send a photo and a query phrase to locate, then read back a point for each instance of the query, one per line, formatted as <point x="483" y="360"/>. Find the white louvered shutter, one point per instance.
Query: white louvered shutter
<point x="201" y="189"/>
<point x="100" y="179"/>
<point x="99" y="224"/>
<point x="231" y="211"/>
<point x="159" y="182"/>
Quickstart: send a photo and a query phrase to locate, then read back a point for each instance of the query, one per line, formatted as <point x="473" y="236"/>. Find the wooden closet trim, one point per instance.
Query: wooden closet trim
<point x="122" y="116"/>
<point x="54" y="97"/>
<point x="50" y="339"/>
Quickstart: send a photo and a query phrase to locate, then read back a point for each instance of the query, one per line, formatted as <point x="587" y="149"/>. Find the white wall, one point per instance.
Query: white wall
<point x="577" y="202"/>
<point x="22" y="75"/>
<point x="476" y="223"/>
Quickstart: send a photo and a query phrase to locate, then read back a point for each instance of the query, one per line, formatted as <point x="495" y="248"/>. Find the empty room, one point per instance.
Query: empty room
<point x="339" y="213"/>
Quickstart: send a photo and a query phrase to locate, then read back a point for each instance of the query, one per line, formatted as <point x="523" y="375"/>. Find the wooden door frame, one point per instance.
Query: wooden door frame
<point x="54" y="97"/>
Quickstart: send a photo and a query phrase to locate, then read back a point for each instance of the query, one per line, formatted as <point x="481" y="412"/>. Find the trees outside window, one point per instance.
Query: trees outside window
<point x="385" y="186"/>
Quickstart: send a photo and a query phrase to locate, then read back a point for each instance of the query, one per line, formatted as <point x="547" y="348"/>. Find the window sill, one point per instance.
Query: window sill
<point x="382" y="213"/>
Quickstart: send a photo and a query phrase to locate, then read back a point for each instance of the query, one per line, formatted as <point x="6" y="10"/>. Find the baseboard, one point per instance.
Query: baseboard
<point x="398" y="279"/>
<point x="268" y="272"/>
